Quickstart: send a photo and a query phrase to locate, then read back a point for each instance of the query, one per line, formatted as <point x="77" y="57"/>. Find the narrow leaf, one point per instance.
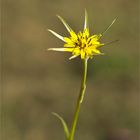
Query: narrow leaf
<point x="63" y="123"/>
<point x="65" y="23"/>
<point x="109" y="26"/>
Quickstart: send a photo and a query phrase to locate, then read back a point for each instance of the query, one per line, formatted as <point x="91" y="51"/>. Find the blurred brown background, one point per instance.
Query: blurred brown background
<point x="36" y="82"/>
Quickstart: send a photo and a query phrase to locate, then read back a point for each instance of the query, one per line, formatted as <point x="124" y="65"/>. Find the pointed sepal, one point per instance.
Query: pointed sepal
<point x="86" y="20"/>
<point x="65" y="23"/>
<point x="57" y="35"/>
<point x="72" y="57"/>
<point x="109" y="26"/>
<point x="111" y="42"/>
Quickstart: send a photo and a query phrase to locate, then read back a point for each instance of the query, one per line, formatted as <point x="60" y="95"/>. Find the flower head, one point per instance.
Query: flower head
<point x="81" y="44"/>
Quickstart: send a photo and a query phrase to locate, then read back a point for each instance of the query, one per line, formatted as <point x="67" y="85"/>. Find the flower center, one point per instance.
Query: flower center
<point x="83" y="44"/>
<point x="83" y="40"/>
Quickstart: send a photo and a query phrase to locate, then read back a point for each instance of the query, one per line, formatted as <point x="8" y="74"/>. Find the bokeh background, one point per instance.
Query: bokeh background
<point x="36" y="82"/>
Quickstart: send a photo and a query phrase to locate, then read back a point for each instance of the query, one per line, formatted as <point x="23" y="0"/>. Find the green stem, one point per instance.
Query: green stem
<point x="79" y="101"/>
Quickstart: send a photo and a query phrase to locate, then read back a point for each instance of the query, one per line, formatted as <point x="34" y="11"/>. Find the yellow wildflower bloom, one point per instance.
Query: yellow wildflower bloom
<point x="81" y="44"/>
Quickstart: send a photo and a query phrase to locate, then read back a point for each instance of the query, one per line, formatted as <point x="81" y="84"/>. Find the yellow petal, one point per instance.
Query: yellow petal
<point x="68" y="49"/>
<point x="68" y="40"/>
<point x="86" y="33"/>
<point x="76" y="51"/>
<point x="69" y="45"/>
<point x="73" y="35"/>
<point x="100" y="45"/>
<point x="89" y="51"/>
<point x="82" y="54"/>
<point x="96" y="36"/>
<point x="96" y="52"/>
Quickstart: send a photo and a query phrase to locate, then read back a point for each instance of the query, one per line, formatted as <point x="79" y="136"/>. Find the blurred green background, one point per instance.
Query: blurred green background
<point x="36" y="82"/>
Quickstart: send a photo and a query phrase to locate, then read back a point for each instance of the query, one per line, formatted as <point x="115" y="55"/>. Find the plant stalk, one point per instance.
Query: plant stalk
<point x="79" y="101"/>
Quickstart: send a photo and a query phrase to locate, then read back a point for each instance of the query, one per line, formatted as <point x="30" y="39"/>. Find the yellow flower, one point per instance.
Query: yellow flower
<point x="80" y="44"/>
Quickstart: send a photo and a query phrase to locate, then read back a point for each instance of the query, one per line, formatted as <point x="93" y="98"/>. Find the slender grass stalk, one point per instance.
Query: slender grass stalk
<point x="80" y="100"/>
